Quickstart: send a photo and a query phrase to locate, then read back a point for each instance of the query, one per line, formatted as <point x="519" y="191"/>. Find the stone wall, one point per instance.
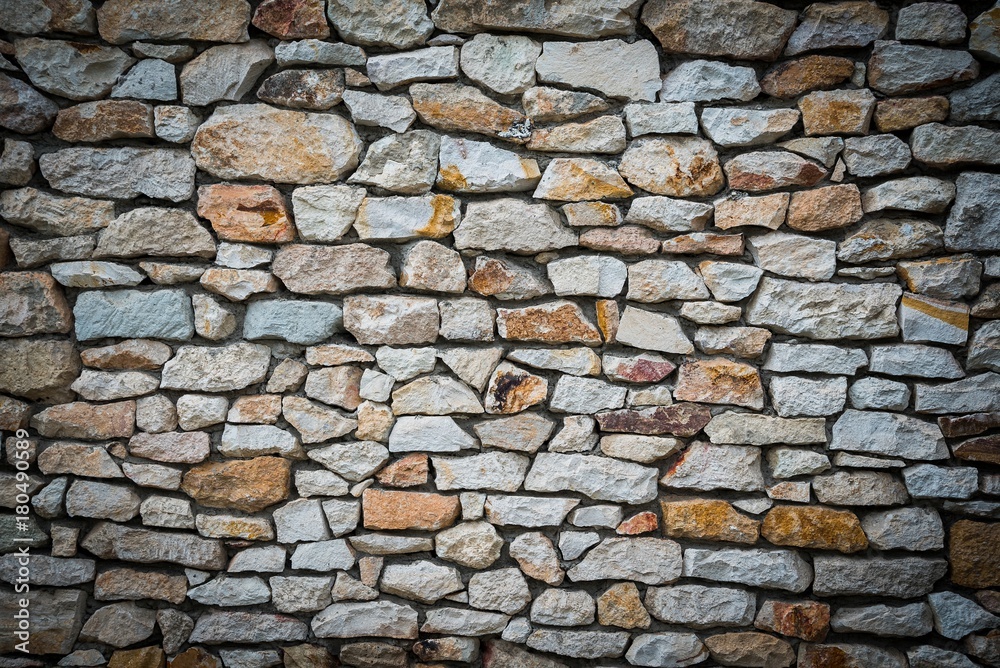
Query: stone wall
<point x="500" y="333"/>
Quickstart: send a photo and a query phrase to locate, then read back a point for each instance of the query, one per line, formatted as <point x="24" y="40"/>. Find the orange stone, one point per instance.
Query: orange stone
<point x="837" y="112"/>
<point x="255" y="214"/>
<point x="576" y="179"/>
<point x="825" y="656"/>
<point x="94" y="422"/>
<point x="129" y="584"/>
<point x="814" y="527"/>
<point x="705" y="242"/>
<point x="390" y="510"/>
<point x="144" y="657"/>
<point x="764" y="211"/>
<point x="708" y="519"/>
<point x="720" y="381"/>
<point x="809" y="620"/>
<point x="637" y="524"/>
<point x="627" y="240"/>
<point x="463" y="108"/>
<point x="554" y="322"/>
<point x="608" y="319"/>
<point x="249" y="485"/>
<point x="103" y="120"/>
<point x="909" y="112"/>
<point x="410" y="471"/>
<point x="794" y="77"/>
<point x="621" y="606"/>
<point x="194" y="657"/>
<point x="133" y="354"/>
<point x="255" y="409"/>
<point x="974" y="553"/>
<point x="826" y="208"/>
<point x="512" y="390"/>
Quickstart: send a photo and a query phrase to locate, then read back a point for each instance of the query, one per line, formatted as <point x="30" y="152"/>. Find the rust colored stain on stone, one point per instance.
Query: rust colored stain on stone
<point x="410" y="471"/>
<point x="255" y="214"/>
<point x="678" y="420"/>
<point x="292" y="19"/>
<point x="720" y="381"/>
<point x="791" y="79"/>
<point x="809" y="620"/>
<point x="638" y="524"/>
<point x="705" y="242"/>
<point x="621" y="606"/>
<point x="389" y="510"/>
<point x="974" y="553"/>
<point x="824" y="209"/>
<point x="248" y="485"/>
<point x="513" y="391"/>
<point x="103" y="120"/>
<point x="89" y="421"/>
<point x="562" y="324"/>
<point x="708" y="519"/>
<point x="814" y="527"/>
<point x="907" y="113"/>
<point x="826" y="656"/>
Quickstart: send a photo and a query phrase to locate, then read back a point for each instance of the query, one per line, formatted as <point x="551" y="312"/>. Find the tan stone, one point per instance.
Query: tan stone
<point x="31" y="302"/>
<point x="705" y="519"/>
<point x="640" y="523"/>
<point x="249" y="485"/>
<point x="410" y="471"/>
<point x="553" y="322"/>
<point x="145" y="657"/>
<point x="259" y="142"/>
<point x="697" y="243"/>
<point x="121" y="21"/>
<point x="456" y="107"/>
<point x="374" y="422"/>
<point x="740" y="341"/>
<point x="92" y="461"/>
<point x="255" y="409"/>
<point x="750" y="649"/>
<point x="974" y="554"/>
<point x="674" y="166"/>
<point x="38" y="369"/>
<point x="837" y="112"/>
<point x="794" y="77"/>
<point x="238" y="284"/>
<point x="337" y="386"/>
<point x="608" y="319"/>
<point x="231" y="526"/>
<point x="133" y="354"/>
<point x="255" y="214"/>
<point x="512" y="390"/>
<point x="578" y="179"/>
<point x="826" y="208"/>
<point x="814" y="527"/>
<point x="627" y="240"/>
<point x="103" y="120"/>
<point x="94" y="422"/>
<point x="621" y="606"/>
<point x="333" y="270"/>
<point x="763" y="211"/>
<point x="905" y="113"/>
<point x="292" y="19"/>
<point x="769" y="170"/>
<point x="384" y="509"/>
<point x="604" y="134"/>
<point x="809" y="620"/>
<point x="129" y="584"/>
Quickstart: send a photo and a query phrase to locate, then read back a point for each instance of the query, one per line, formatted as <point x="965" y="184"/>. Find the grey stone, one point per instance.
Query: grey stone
<point x="226" y="72"/>
<point x="470" y="544"/>
<point x="545" y="104"/>
<point x="748" y="428"/>
<point x="888" y="434"/>
<point x="218" y="369"/>
<point x="931" y="22"/>
<point x="735" y="126"/>
<point x="876" y="155"/>
<point x="574" y="394"/>
<point x="112" y="385"/>
<point x="429" y="434"/>
<point x="896" y="69"/>
<point x="248" y="628"/>
<point x="227" y="591"/>
<point x="794" y="395"/>
<point x="706" y="466"/>
<point x="502" y="63"/>
<point x="388" y="111"/>
<point x="512" y="225"/>
<point x="661" y="119"/>
<point x="121" y="172"/>
<point x="294" y="321"/>
<point x="911" y="620"/>
<point x="915" y="529"/>
<point x="580" y="644"/>
<point x="33" y="253"/>
<point x="149" y="79"/>
<point x="601" y="478"/>
<point x="899" y="577"/>
<point x="956" y="616"/>
<point x="925" y="481"/>
<point x="175" y="124"/>
<point x="768" y="569"/>
<point x="253" y="440"/>
<point x="503" y="589"/>
<point x="473" y="166"/>
<point x="945" y="146"/>
<point x="794" y="255"/>
<point x="459" y="621"/>
<point x="23" y="109"/>
<point x="651" y="561"/>
<point x="571" y="19"/>
<point x="974" y="223"/>
<point x="502" y="471"/>
<point x="71" y="69"/>
<point x="650" y="330"/>
<point x="838" y="25"/>
<point x="860" y="488"/>
<point x="922" y="194"/>
<point x="701" y="607"/>
<point x="978" y="102"/>
<point x="588" y="275"/>
<point x="401" y="24"/>
<point x="910" y="359"/>
<point x="49" y="571"/>
<point x="318" y="52"/>
<point x="984" y="349"/>
<point x="422" y="581"/>
<point x="435" y="63"/>
<point x="17" y="163"/>
<point x="976" y="394"/>
<point x="354" y="461"/>
<point x="791" y="462"/>
<point x="94" y="274"/>
<point x="326" y="212"/>
<point x="665" y="214"/>
<point x="301" y="594"/>
<point x="119" y="624"/>
<point x="528" y="511"/>
<point x="879" y="393"/>
<point x="709" y="81"/>
<point x="323" y="555"/>
<point x="611" y="67"/>
<point x="891" y="239"/>
<point x="928" y="656"/>
<point x="815" y="310"/>
<point x="562" y="607"/>
<point x="164" y="314"/>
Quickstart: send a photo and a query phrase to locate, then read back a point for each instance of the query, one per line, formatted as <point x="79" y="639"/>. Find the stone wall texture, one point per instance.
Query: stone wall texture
<point x="500" y="333"/>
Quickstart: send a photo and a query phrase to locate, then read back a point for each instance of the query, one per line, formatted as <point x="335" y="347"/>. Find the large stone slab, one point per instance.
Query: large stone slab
<point x="888" y="434"/>
<point x="378" y="618"/>
<point x="56" y="617"/>
<point x="115" y="541"/>
<point x="121" y="173"/>
<point x="216" y="369"/>
<point x="601" y="478"/>
<point x="611" y="67"/>
<point x="575" y="18"/>
<point x="160" y="314"/>
<point x="121" y="21"/>
<point x="817" y="310"/>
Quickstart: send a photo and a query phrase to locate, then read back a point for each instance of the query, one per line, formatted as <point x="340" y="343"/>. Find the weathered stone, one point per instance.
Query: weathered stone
<point x="892" y="115"/>
<point x="706" y="467"/>
<point x="527" y="511"/>
<point x="318" y="52"/>
<point x="788" y="307"/>
<point x="402" y="24"/>
<point x="792" y="395"/>
<point x="572" y="20"/>
<point x="256" y="141"/>
<point x="457" y="620"/>
<point x="890" y="240"/>
<point x="325" y="213"/>
<point x="681" y="420"/>
<point x="471" y="544"/>
<point x="900" y="577"/>
<point x="714" y="520"/>
<point x="792" y="78"/>
<point x="876" y="155"/>
<point x="422" y="581"/>
<point x="70" y="69"/>
<point x="177" y="233"/>
<point x="503" y="589"/>
<point x="471" y="166"/>
<point x="860" y="488"/>
<point x="403" y="218"/>
<point x="604" y="134"/>
<point x="740" y="29"/>
<point x="121" y="173"/>
<point x="628" y="240"/>
<point x="679" y="167"/>
<point x="502" y="63"/>
<point x="815" y="528"/>
<point x="98" y="121"/>
<point x="931" y="22"/>
<point x="391" y="319"/>
<point x="972" y="224"/>
<point x="22" y="108"/>
<point x="590" y="65"/>
<point x="392" y="510"/>
<point x="220" y="369"/>
<point x="580" y="644"/>
<point x="17" y="164"/>
<point x="93" y="422"/>
<point x="944" y="146"/>
<point x="709" y="81"/>
<point x="456" y="107"/>
<point x="249" y="485"/>
<point x="554" y="322"/>
<point x="392" y="112"/>
<point x="247" y="628"/>
<point x="663" y="118"/>
<point x="36" y="369"/>
<point x="769" y="170"/>
<point x="808" y="620"/>
<point x="150" y="79"/>
<point x="647" y="560"/>
<point x="888" y="434"/>
<point x="503" y="471"/>
<point x="766" y="211"/>
<point x="733" y="126"/>
<point x="292" y="19"/>
<point x="896" y="69"/>
<point x="113" y="541"/>
<point x="720" y="382"/>
<point x="846" y="24"/>
<point x="600" y="478"/>
<point x="575" y="179"/>
<point x="923" y="194"/>
<point x="255" y="214"/>
<point x="972" y="553"/>
<point x="935" y="320"/>
<point x="750" y="649"/>
<point x="768" y="569"/>
<point x="824" y="209"/>
<point x="222" y="21"/>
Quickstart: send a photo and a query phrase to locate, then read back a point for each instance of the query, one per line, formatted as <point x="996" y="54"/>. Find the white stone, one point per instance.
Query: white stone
<point x="504" y="590"/>
<point x="422" y="581"/>
<point x="791" y="462"/>
<point x="728" y="281"/>
<point x="655" y="281"/>
<point x="354" y="461"/>
<point x="705" y="466"/>
<point x="528" y="511"/>
<point x="665" y="214"/>
<point x="794" y="395"/>
<point x="468" y="166"/>
<point x="406" y="218"/>
<point x="574" y="394"/>
<point x="253" y="440"/>
<point x="404" y="364"/>
<point x="320" y="483"/>
<point x="503" y="63"/>
<point x="576" y="361"/>
<point x="342" y="515"/>
<point x="435" y="63"/>
<point x="794" y="255"/>
<point x="393" y="112"/>
<point x="611" y="67"/>
<point x="588" y="275"/>
<point x="661" y="119"/>
<point x="429" y="434"/>
<point x="733" y="126"/>
<point x="639" y="448"/>
<point x="572" y="544"/>
<point x="752" y="429"/>
<point x="323" y="555"/>
<point x="911" y="359"/>
<point x="376" y="618"/>
<point x="502" y="471"/>
<point x="653" y="331"/>
<point x="888" y="434"/>
<point x="708" y="81"/>
<point x="435" y="395"/>
<point x="601" y="478"/>
<point x="767" y="569"/>
<point x="816" y="358"/>
<point x="603" y="516"/>
<point x="512" y="225"/>
<point x="197" y="411"/>
<point x="229" y="591"/>
<point x="651" y="561"/>
<point x="563" y="607"/>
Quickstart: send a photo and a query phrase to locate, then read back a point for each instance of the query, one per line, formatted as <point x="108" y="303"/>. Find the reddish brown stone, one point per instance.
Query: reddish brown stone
<point x="638" y="369"/>
<point x="809" y="620"/>
<point x="145" y="657"/>
<point x="908" y="112"/>
<point x="989" y="599"/>
<point x="308" y="656"/>
<point x="769" y="170"/>
<point x="679" y="420"/>
<point x="410" y="471"/>
<point x="826" y="208"/>
<point x="638" y="524"/>
<point x="825" y="656"/>
<point x="384" y="509"/>
<point x="256" y="214"/>
<point x="512" y="390"/>
<point x="133" y="354"/>
<point x="697" y="243"/>
<point x="974" y="553"/>
<point x="608" y="319"/>
<point x="720" y="381"/>
<point x="814" y="527"/>
<point x="627" y="240"/>
<point x="292" y="19"/>
<point x="5" y="252"/>
<point x="103" y="120"/>
<point x="985" y="449"/>
<point x="249" y="485"/>
<point x="708" y="519"/>
<point x="31" y="302"/>
<point x="195" y="657"/>
<point x="129" y="584"/>
<point x="968" y="425"/>
<point x="794" y="77"/>
<point x="554" y="322"/>
<point x="94" y="422"/>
